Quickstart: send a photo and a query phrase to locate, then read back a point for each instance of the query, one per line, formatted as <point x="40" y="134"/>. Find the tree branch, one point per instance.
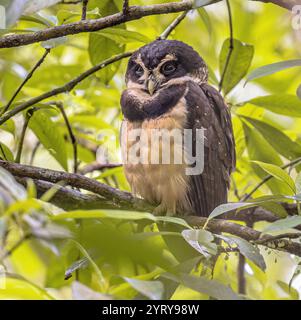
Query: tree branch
<point x="96" y="166"/>
<point x="249" y="234"/>
<point x="125" y="7"/>
<point x="63" y="89"/>
<point x="72" y="179"/>
<point x="133" y="13"/>
<point x="84" y="11"/>
<point x="110" y="198"/>
<point x="173" y="25"/>
<point x="72" y="200"/>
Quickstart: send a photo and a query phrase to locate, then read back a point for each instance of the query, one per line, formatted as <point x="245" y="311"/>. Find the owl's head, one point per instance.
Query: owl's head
<point x="163" y="62"/>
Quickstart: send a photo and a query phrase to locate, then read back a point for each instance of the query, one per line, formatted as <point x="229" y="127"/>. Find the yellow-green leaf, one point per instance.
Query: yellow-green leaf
<point x="238" y="65"/>
<point x="278" y="173"/>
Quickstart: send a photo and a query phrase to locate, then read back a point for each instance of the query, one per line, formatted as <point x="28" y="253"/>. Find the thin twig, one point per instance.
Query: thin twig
<point x="278" y="237"/>
<point x="125" y="7"/>
<point x="63" y="89"/>
<point x="34" y="151"/>
<point x="173" y="25"/>
<point x="241" y="277"/>
<point x="84" y="11"/>
<point x="71" y="2"/>
<point x="247" y="233"/>
<point x="268" y="177"/>
<point x="22" y="137"/>
<point x="241" y="274"/>
<point x="72" y="137"/>
<point x="3" y="152"/>
<point x="29" y="75"/>
<point x="96" y="166"/>
<point x="231" y="46"/>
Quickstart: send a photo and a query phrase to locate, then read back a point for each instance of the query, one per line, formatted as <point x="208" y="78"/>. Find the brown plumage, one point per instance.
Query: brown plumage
<point x="167" y="89"/>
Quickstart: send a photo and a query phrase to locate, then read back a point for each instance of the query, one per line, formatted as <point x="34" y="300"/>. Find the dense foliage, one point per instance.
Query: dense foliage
<point x="53" y="247"/>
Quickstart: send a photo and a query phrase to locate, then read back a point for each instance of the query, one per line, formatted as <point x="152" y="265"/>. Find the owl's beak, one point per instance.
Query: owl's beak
<point x="151" y="85"/>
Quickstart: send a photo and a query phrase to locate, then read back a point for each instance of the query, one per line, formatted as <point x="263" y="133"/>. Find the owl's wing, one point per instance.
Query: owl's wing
<point x="208" y="110"/>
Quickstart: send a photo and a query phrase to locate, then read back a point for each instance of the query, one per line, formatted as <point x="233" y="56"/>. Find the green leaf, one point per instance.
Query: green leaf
<point x="5" y="31"/>
<point x="101" y="47"/>
<point x="285" y="104"/>
<point x="293" y="293"/>
<point x="206" y="19"/>
<point x="260" y="150"/>
<point x="118" y="214"/>
<point x="273" y="68"/>
<point x="33" y="6"/>
<point x="123" y="36"/>
<point x="50" y="135"/>
<point x="84" y="252"/>
<point x="91" y="121"/>
<point x="5" y="153"/>
<point x="283" y="224"/>
<point x="212" y="288"/>
<point x="239" y="63"/>
<point x="297" y="272"/>
<point x="275" y="208"/>
<point x="277" y="139"/>
<point x="278" y="173"/>
<point x="16" y="287"/>
<point x="153" y="290"/>
<point x="202" y="241"/>
<point x="227" y="207"/>
<point x="37" y="19"/>
<point x="248" y="250"/>
<point x="9" y="126"/>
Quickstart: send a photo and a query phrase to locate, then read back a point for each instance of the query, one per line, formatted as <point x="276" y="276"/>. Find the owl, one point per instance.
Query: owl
<point x="167" y="90"/>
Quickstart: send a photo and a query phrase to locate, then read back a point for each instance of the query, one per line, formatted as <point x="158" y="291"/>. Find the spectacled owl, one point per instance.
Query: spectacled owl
<point x="167" y="89"/>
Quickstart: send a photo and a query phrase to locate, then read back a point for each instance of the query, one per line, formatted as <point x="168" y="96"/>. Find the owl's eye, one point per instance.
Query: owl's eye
<point x="169" y="68"/>
<point x="139" y="71"/>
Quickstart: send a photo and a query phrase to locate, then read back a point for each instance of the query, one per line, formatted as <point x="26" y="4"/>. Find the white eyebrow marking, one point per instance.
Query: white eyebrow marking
<point x="141" y="63"/>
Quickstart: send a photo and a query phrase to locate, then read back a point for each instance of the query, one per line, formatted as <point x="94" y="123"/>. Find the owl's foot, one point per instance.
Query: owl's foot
<point x="162" y="210"/>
